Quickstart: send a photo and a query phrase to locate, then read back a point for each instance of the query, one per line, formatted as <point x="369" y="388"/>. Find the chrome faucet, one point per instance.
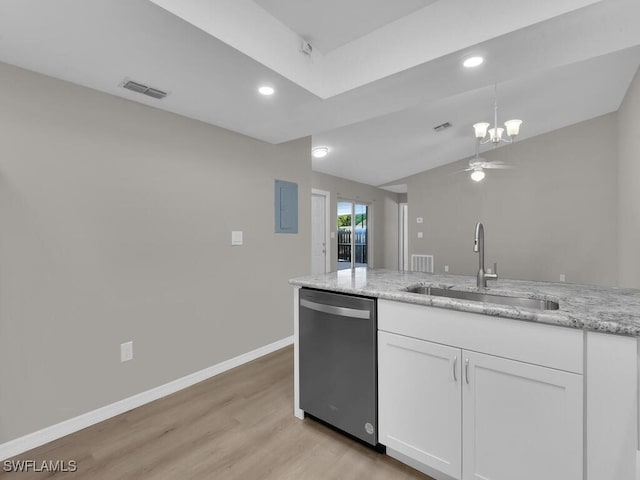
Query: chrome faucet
<point x="478" y="247"/>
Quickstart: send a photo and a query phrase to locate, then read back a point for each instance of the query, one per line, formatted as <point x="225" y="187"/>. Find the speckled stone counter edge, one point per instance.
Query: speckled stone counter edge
<point x="601" y="309"/>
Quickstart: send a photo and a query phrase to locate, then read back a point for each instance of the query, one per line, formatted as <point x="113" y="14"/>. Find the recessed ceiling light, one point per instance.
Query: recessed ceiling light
<point x="473" y="62"/>
<point x="266" y="90"/>
<point x="320" y="152"/>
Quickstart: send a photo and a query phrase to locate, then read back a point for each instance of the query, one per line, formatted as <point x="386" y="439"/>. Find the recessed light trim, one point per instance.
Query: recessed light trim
<point x="472" y="62"/>
<point x="320" y="152"/>
<point x="266" y="90"/>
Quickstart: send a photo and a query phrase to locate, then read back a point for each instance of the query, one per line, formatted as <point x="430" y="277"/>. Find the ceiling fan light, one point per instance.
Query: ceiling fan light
<point x="477" y="175"/>
<point x="481" y="129"/>
<point x="513" y="127"/>
<point x="496" y="137"/>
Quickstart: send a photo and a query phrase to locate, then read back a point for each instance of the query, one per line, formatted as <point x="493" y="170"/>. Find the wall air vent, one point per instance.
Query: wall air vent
<point x="442" y="127"/>
<point x="144" y="89"/>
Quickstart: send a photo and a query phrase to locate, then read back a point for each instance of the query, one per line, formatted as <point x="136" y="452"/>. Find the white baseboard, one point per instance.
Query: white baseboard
<point x="48" y="434"/>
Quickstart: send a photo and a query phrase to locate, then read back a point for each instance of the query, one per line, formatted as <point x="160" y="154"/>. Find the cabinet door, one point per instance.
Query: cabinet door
<point x="521" y="421"/>
<point x="419" y="401"/>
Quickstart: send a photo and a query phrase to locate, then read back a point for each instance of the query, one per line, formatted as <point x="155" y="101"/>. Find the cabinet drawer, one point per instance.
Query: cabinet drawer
<point x="547" y="345"/>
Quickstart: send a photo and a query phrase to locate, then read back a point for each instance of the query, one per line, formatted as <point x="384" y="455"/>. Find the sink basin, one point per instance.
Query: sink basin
<point x="487" y="298"/>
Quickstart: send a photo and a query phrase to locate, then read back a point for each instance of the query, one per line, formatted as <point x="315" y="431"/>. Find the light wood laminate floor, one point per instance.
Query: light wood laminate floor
<point x="237" y="425"/>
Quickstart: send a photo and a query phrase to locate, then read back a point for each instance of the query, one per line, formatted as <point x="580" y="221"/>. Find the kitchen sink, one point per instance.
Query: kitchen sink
<point x="533" y="303"/>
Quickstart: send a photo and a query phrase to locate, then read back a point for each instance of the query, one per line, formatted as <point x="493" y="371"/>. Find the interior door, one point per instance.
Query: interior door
<point x="318" y="234"/>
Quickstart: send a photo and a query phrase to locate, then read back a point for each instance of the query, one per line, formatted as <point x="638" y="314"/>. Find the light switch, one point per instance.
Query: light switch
<point x="126" y="351"/>
<point x="236" y="238"/>
<point x="419" y="234"/>
<point x="333" y="234"/>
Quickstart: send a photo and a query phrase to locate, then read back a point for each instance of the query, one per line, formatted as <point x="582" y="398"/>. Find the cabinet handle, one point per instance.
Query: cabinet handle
<point x="455" y="364"/>
<point x="466" y="369"/>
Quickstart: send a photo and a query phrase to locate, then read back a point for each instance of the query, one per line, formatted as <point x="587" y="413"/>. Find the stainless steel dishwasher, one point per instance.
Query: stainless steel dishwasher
<point x="338" y="372"/>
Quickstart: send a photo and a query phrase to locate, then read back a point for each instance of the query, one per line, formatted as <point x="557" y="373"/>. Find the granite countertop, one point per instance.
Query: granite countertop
<point x="600" y="309"/>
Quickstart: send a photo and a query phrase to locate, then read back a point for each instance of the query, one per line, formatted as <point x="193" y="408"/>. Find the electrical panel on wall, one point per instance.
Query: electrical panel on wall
<point x="286" y="207"/>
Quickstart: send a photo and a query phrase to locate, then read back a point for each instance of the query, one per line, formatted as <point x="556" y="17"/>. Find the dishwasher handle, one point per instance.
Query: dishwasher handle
<point x="332" y="310"/>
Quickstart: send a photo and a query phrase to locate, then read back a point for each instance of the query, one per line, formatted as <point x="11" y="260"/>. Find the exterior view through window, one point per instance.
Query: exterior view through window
<point x="353" y="235"/>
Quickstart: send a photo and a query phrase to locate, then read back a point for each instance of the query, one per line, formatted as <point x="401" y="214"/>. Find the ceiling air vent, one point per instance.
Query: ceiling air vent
<point x="442" y="127"/>
<point x="144" y="89"/>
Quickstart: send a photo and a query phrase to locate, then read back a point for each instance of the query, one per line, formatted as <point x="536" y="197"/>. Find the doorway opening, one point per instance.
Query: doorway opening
<point x="353" y="235"/>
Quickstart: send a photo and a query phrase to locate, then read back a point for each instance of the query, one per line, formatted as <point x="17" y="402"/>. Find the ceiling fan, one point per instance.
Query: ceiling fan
<point x="477" y="166"/>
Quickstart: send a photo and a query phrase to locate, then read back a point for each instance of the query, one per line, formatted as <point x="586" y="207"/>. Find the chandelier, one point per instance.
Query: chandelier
<point x="484" y="134"/>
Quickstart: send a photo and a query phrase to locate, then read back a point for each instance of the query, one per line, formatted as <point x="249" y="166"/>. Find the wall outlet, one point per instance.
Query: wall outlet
<point x="419" y="234"/>
<point x="126" y="351"/>
<point x="419" y="220"/>
<point x="563" y="278"/>
<point x="446" y="268"/>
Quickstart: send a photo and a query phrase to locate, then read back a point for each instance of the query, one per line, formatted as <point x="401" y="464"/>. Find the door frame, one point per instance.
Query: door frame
<point x="403" y="236"/>
<point x="327" y="227"/>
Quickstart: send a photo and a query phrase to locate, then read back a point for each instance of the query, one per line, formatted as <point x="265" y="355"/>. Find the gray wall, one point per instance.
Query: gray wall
<point x="384" y="223"/>
<point x="116" y="221"/>
<point x="629" y="187"/>
<point x="554" y="213"/>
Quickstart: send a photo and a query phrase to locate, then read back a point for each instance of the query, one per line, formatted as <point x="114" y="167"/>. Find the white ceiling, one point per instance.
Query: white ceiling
<point x="546" y="101"/>
<point x="329" y="24"/>
<point x="373" y="99"/>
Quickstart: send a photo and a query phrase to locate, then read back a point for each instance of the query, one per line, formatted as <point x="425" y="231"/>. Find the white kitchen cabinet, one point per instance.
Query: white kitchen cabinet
<point x="497" y="418"/>
<point x="419" y="401"/>
<point x="520" y="421"/>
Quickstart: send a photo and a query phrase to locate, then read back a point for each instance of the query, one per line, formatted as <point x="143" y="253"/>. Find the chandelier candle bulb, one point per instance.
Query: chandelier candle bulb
<point x="481" y="129"/>
<point x="496" y="137"/>
<point x="513" y="127"/>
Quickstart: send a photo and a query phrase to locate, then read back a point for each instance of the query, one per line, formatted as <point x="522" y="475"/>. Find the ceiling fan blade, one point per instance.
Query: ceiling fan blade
<point x="498" y="166"/>
<point x="462" y="171"/>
